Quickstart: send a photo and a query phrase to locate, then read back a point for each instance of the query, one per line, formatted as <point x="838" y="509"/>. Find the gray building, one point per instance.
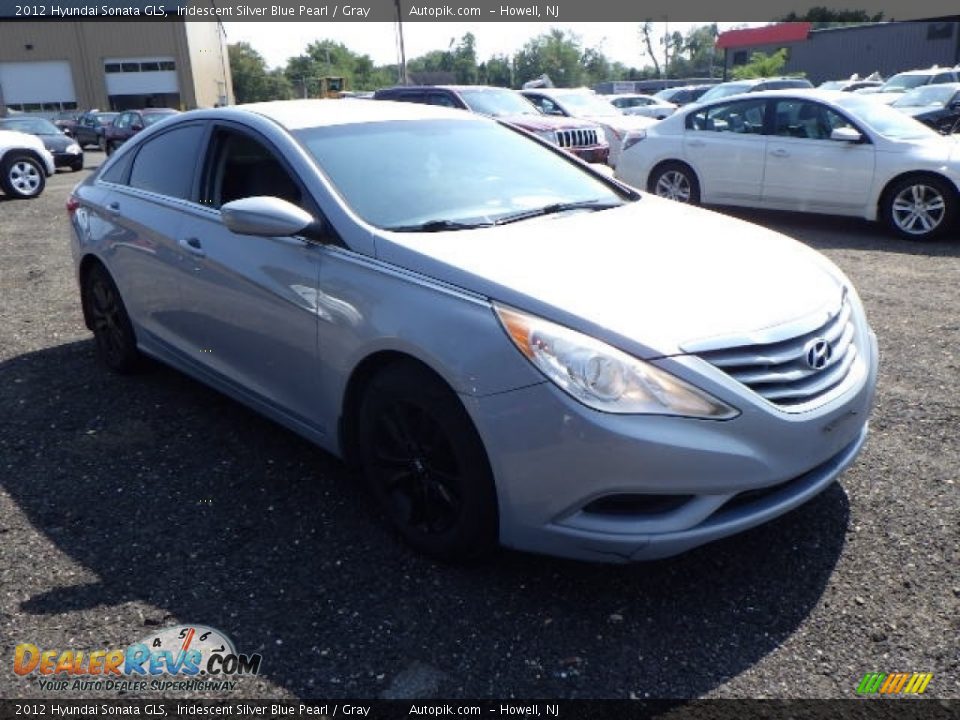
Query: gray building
<point x="836" y="53"/>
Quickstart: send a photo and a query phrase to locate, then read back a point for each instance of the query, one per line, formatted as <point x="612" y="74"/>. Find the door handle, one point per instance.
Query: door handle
<point x="114" y="208"/>
<point x="192" y="245"/>
<point x="779" y="152"/>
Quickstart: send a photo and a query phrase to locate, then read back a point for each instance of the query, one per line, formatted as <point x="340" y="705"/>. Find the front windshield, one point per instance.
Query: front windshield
<point x="928" y="95"/>
<point x="888" y="122"/>
<point x="400" y="174"/>
<point x="106" y="118"/>
<point x="33" y="126"/>
<point x="904" y="82"/>
<point x="587" y="104"/>
<point x="498" y="102"/>
<point x="722" y="91"/>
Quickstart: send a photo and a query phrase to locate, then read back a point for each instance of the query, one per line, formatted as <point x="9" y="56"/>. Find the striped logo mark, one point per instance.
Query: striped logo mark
<point x="894" y="683"/>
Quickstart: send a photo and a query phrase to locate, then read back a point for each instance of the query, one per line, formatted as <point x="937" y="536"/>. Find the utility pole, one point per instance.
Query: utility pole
<point x="403" y="54"/>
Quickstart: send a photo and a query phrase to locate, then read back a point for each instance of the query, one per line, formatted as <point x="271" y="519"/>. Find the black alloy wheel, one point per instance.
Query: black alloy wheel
<point x="426" y="465"/>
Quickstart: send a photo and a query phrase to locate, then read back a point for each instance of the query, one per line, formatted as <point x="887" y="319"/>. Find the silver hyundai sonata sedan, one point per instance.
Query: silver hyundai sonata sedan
<point x="510" y="346"/>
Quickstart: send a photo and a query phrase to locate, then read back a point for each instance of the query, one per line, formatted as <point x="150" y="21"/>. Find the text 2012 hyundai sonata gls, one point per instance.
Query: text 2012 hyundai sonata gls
<point x="512" y="347"/>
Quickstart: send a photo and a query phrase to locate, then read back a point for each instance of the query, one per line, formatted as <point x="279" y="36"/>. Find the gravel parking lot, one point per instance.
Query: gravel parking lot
<point x="129" y="504"/>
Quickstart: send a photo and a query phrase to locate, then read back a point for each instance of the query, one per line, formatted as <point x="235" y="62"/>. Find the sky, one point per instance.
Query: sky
<point x="277" y="41"/>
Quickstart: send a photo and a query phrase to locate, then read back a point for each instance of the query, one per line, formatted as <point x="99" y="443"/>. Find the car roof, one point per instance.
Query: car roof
<point x="801" y="92"/>
<point x="561" y="91"/>
<point x="627" y="95"/>
<point x="299" y="114"/>
<point x="928" y="71"/>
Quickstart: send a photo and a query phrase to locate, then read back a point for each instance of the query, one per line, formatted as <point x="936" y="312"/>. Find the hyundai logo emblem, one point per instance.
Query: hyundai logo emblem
<point x="818" y="353"/>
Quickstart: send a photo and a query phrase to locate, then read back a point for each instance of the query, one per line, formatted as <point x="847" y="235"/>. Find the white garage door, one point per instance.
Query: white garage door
<point x="37" y="83"/>
<point x="140" y="76"/>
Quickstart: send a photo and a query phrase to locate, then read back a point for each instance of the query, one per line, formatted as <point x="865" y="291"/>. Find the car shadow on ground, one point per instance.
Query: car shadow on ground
<point x="194" y="509"/>
<point x="825" y="232"/>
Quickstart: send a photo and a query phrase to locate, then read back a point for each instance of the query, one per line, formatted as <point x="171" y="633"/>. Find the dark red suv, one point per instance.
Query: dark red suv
<point x="584" y="139"/>
<point x="129" y="123"/>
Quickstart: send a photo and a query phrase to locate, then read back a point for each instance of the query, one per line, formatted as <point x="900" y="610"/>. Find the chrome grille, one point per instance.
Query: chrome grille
<point x="780" y="371"/>
<point x="576" y="138"/>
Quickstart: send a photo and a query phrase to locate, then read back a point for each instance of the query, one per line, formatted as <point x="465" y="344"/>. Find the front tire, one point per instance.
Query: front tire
<point x="920" y="208"/>
<point x="425" y="464"/>
<point x="675" y="181"/>
<point x="22" y="176"/>
<point x="112" y="330"/>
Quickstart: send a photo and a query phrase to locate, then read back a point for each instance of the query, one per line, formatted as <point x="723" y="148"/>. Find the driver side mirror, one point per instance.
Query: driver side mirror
<point x="136" y="127"/>
<point x="846" y="135"/>
<point x="266" y="216"/>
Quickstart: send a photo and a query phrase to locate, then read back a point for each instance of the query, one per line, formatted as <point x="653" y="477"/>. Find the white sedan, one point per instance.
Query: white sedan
<point x="805" y="150"/>
<point x="645" y="105"/>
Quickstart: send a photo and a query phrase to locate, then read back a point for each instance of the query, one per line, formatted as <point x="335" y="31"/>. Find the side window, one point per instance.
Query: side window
<point x="943" y="78"/>
<point x="243" y="167"/>
<point x="742" y="117"/>
<point x="407" y="96"/>
<point x="442" y="99"/>
<point x="122" y="121"/>
<point x="164" y="164"/>
<point x="806" y="119"/>
<point x="117" y="172"/>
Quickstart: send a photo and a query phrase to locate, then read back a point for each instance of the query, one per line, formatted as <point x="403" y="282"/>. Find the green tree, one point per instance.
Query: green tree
<point x="762" y="65"/>
<point x="556" y="53"/>
<point x="252" y="82"/>
<point x="823" y="17"/>
<point x="497" y="71"/>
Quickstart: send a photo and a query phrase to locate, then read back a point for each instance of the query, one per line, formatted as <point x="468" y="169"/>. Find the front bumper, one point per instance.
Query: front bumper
<point x="593" y="154"/>
<point x="63" y="159"/>
<point x="553" y="458"/>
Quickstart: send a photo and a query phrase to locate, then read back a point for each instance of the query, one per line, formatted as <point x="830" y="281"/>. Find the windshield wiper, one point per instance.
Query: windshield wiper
<point x="557" y="208"/>
<point x="440" y="226"/>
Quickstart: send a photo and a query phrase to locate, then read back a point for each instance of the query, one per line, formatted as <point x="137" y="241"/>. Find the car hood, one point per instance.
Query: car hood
<point x="545" y="122"/>
<point x="12" y="138"/>
<point x="623" y="123"/>
<point x="651" y="276"/>
<point x="56" y="143"/>
<point x="886" y="97"/>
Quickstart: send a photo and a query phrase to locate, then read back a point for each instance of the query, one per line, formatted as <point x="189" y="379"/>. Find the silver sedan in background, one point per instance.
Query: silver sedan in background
<point x="470" y="316"/>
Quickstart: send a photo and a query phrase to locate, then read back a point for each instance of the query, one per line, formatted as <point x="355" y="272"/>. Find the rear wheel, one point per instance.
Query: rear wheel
<point x="22" y="176"/>
<point x="920" y="208"/>
<point x="675" y="181"/>
<point x="426" y="465"/>
<point x="112" y="330"/>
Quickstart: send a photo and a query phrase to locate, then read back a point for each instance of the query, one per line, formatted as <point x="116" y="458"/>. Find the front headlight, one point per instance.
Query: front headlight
<point x="549" y="135"/>
<point x="73" y="149"/>
<point x="602" y="377"/>
<point x="633" y="137"/>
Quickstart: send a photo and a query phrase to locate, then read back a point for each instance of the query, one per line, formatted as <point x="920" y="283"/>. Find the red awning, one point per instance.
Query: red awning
<point x="766" y="35"/>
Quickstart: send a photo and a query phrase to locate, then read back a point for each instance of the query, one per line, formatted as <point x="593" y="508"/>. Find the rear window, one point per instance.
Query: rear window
<point x="165" y="164"/>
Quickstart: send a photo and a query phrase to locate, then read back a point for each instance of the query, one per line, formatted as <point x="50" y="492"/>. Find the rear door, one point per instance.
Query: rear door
<point x="150" y="188"/>
<point x="253" y="300"/>
<point x="806" y="170"/>
<point x="725" y="145"/>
